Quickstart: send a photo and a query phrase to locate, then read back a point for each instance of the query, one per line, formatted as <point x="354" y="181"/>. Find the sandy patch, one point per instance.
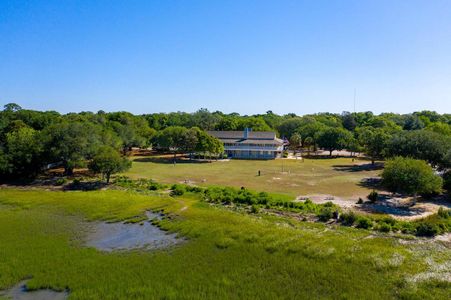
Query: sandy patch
<point x="323" y="198"/>
<point x="401" y="208"/>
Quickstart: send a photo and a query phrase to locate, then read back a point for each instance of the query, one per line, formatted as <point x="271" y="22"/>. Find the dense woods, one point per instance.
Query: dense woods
<point x="32" y="140"/>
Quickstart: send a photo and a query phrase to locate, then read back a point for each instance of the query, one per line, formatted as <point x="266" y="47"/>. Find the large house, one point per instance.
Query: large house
<point x="250" y="144"/>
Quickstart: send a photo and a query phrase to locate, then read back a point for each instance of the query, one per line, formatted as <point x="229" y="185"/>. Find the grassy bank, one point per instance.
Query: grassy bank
<point x="254" y="202"/>
<point x="228" y="254"/>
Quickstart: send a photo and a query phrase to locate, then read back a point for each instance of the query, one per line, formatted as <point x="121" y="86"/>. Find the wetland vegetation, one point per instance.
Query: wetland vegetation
<point x="228" y="254"/>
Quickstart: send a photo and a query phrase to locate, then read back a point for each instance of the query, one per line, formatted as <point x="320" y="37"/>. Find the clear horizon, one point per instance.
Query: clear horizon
<point x="248" y="57"/>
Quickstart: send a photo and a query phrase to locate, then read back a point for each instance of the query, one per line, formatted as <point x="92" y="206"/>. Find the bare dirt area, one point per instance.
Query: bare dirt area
<point x="401" y="208"/>
<point x="406" y="208"/>
<point x="445" y="238"/>
<point x="323" y="198"/>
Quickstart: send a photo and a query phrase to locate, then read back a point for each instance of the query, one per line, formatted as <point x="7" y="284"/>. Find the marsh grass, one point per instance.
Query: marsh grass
<point x="228" y="255"/>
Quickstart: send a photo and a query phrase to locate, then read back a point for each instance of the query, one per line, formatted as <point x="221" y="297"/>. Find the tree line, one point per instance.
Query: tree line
<point x="423" y="135"/>
<point x="417" y="146"/>
<point x="30" y="140"/>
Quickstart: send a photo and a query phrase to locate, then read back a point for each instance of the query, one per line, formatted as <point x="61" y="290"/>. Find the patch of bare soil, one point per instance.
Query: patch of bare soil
<point x="323" y="198"/>
<point x="401" y="208"/>
<point x="405" y="208"/>
<point x="444" y="238"/>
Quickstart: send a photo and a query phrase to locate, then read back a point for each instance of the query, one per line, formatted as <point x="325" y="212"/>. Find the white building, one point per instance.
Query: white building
<point x="250" y="144"/>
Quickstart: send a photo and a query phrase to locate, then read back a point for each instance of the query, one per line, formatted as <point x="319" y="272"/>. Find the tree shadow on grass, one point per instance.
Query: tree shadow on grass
<point x="359" y="168"/>
<point x="17" y="182"/>
<point x="325" y="157"/>
<point x="166" y="160"/>
<point x="85" y="186"/>
<point x="385" y="208"/>
<point x="443" y="200"/>
<point x="405" y="205"/>
<point x="374" y="183"/>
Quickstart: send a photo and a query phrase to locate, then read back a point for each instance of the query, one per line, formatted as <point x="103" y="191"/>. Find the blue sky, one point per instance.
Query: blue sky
<point x="233" y="56"/>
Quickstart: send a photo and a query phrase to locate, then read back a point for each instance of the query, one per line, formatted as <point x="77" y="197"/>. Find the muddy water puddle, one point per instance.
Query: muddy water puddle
<point x="128" y="236"/>
<point x="20" y="292"/>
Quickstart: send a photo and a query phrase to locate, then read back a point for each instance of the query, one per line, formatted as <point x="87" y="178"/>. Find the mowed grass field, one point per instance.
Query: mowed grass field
<point x="340" y="177"/>
<point x="227" y="255"/>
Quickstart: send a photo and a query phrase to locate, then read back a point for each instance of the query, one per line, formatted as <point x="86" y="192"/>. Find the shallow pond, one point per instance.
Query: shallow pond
<point x="20" y="292"/>
<point x="122" y="236"/>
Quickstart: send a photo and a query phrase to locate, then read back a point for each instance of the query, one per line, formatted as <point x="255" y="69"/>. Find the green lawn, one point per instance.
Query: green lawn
<point x="339" y="176"/>
<point x="229" y="255"/>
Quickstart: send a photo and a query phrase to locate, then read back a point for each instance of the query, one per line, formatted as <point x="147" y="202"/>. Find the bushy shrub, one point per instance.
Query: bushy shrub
<point x="387" y="224"/>
<point x="329" y="204"/>
<point x="373" y="196"/>
<point x="444" y="213"/>
<point x="246" y="197"/>
<point x="443" y="227"/>
<point x="360" y="201"/>
<point x="427" y="229"/>
<point x="177" y="190"/>
<point x="194" y="189"/>
<point x="364" y="222"/>
<point x="348" y="218"/>
<point x="254" y="209"/>
<point x="142" y="183"/>
<point x="154" y="186"/>
<point x="388" y="220"/>
<point x="76" y="181"/>
<point x="325" y="214"/>
<point x="123" y="178"/>
<point x="447" y="181"/>
<point x="213" y="194"/>
<point x="124" y="181"/>
<point x="408" y="228"/>
<point x="384" y="227"/>
<point x="396" y="227"/>
<point x="263" y="198"/>
<point x="411" y="176"/>
<point x="60" y="181"/>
